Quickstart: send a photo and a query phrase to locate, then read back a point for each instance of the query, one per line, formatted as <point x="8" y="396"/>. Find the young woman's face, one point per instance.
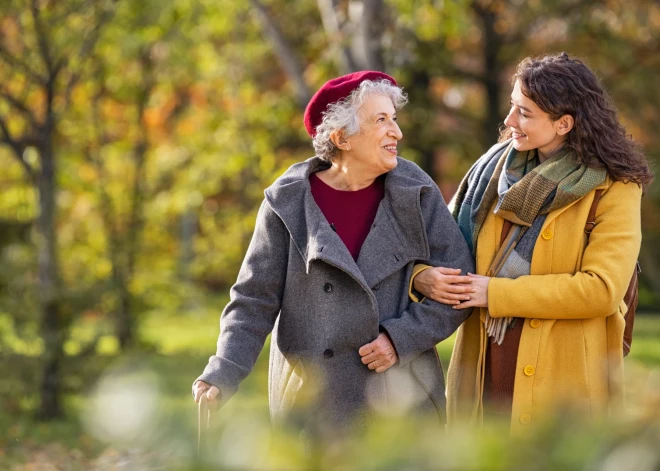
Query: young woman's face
<point x="532" y="127"/>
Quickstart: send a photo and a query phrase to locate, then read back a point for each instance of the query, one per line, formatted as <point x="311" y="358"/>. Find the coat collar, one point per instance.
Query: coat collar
<point x="397" y="235"/>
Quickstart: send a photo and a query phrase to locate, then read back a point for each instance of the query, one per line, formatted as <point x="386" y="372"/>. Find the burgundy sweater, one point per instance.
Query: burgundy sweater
<point x="349" y="213"/>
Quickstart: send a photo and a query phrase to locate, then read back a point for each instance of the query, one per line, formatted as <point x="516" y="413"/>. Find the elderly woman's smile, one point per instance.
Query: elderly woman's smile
<point x="390" y="148"/>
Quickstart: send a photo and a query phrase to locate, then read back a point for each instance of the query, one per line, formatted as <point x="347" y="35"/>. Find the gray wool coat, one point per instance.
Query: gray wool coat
<point x="299" y="282"/>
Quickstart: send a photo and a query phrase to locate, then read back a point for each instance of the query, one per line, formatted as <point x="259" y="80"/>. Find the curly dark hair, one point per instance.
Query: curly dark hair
<point x="561" y="85"/>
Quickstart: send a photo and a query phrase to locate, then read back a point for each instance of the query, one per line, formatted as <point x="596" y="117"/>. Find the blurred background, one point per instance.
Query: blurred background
<point x="136" y="138"/>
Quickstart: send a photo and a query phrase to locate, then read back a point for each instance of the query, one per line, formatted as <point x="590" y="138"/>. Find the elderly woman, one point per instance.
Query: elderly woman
<point x="328" y="268"/>
<point x="550" y="323"/>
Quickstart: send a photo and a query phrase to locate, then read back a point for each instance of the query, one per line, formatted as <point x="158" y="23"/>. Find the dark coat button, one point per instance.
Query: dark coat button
<point x="376" y="287"/>
<point x="328" y="353"/>
<point x="327" y="287"/>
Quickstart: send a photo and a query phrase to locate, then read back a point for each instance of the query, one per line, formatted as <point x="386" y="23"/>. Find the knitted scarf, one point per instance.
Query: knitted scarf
<point x="524" y="193"/>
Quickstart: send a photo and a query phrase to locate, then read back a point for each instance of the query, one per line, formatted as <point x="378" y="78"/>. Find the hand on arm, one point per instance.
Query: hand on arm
<point x="444" y="285"/>
<point x="479" y="296"/>
<point x="421" y="325"/>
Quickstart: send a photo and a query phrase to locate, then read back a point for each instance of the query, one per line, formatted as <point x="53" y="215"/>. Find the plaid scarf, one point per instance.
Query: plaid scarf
<point x="524" y="193"/>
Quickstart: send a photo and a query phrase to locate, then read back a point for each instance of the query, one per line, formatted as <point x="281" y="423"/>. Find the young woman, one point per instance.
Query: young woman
<point x="548" y="320"/>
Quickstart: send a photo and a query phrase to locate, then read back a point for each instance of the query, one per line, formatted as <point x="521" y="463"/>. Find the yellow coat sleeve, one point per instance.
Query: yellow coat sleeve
<point x="419" y="268"/>
<point x="607" y="266"/>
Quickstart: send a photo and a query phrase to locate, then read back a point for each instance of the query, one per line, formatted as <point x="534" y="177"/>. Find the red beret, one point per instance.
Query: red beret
<point x="335" y="90"/>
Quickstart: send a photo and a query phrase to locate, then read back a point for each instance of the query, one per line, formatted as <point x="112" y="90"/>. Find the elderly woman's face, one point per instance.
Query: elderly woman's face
<point x="375" y="144"/>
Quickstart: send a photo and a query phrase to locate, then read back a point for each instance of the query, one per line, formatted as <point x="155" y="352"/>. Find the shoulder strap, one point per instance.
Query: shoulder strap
<point x="630" y="298"/>
<point x="591" y="219"/>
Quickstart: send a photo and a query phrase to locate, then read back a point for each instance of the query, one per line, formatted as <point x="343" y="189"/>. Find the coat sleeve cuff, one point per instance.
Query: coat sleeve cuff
<point x="223" y="374"/>
<point x="414" y="295"/>
<point x="496" y="286"/>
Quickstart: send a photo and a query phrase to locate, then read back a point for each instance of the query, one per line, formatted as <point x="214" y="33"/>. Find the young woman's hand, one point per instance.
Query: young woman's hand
<point x="479" y="298"/>
<point x="444" y="285"/>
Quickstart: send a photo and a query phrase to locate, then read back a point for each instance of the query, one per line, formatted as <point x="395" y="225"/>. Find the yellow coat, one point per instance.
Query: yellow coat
<point x="571" y="344"/>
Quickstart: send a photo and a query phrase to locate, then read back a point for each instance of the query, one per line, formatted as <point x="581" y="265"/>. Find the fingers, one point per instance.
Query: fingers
<point x="457" y="280"/>
<point x="378" y="351"/>
<point x="200" y="388"/>
<point x="450" y="275"/>
<point x="371" y="357"/>
<point x="455" y="297"/>
<point x="462" y="288"/>
<point x="451" y="302"/>
<point x="378" y="355"/>
<point x="381" y="365"/>
<point x="473" y="276"/>
<point x="466" y="304"/>
<point x="367" y="349"/>
<point x="449" y="271"/>
<point x="450" y="298"/>
<point x="212" y="393"/>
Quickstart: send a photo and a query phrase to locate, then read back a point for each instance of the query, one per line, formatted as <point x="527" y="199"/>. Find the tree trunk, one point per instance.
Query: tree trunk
<point x="492" y="43"/>
<point x="124" y="318"/>
<point x="334" y="31"/>
<point x="418" y="92"/>
<point x="285" y="53"/>
<point x="53" y="324"/>
<point x="372" y="26"/>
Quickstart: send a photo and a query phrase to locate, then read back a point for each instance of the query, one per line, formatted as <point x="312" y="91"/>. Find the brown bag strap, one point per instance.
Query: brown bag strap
<point x="591" y="219"/>
<point x="630" y="298"/>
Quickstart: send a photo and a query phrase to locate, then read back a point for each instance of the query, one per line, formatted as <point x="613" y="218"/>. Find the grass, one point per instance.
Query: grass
<point x="137" y="408"/>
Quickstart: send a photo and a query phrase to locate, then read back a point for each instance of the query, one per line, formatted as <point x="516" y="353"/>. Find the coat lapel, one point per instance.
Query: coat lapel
<point x="292" y="200"/>
<point x="387" y="248"/>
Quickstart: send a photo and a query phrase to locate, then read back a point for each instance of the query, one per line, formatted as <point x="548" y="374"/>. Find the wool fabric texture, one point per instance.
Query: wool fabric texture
<point x="525" y="192"/>
<point x="335" y="90"/>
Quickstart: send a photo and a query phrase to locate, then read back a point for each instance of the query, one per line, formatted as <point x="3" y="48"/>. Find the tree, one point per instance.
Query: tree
<point x="43" y="50"/>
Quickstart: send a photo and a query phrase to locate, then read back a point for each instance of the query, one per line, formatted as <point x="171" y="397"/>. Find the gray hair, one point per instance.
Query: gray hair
<point x="344" y="114"/>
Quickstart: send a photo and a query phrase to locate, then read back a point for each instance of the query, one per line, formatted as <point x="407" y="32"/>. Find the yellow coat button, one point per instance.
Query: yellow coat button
<point x="535" y="323"/>
<point x="529" y="370"/>
<point x="547" y="234"/>
<point x="525" y="419"/>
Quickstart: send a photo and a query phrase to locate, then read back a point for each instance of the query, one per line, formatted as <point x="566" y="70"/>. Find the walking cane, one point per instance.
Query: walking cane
<point x="203" y="421"/>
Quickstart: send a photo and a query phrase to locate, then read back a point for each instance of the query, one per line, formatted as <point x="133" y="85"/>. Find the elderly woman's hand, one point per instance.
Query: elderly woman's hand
<point x="211" y="392"/>
<point x="379" y="355"/>
<point x="444" y="285"/>
<point x="480" y="296"/>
